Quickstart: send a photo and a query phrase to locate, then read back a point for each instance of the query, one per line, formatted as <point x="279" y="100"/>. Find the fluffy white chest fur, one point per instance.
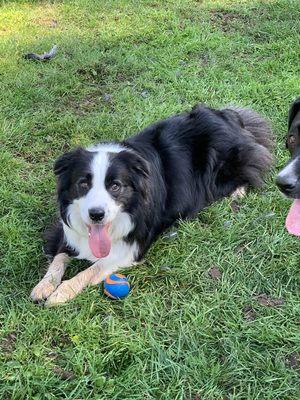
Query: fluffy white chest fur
<point x="77" y="236"/>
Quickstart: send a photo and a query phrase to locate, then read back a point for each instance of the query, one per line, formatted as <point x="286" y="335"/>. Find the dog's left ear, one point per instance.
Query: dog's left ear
<point x="139" y="165"/>
<point x="295" y="108"/>
<point x="64" y="162"/>
<point x="140" y="171"/>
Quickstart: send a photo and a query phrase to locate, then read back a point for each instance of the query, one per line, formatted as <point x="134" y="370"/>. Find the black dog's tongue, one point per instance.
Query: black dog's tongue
<point x="292" y="222"/>
<point x="99" y="240"/>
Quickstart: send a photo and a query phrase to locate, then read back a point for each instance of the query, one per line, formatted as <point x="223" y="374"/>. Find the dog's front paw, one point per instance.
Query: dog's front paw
<point x="63" y="293"/>
<point x="239" y="193"/>
<point x="43" y="290"/>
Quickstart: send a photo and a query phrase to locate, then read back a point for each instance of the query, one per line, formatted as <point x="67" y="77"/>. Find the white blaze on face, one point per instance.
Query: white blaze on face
<point x="98" y="197"/>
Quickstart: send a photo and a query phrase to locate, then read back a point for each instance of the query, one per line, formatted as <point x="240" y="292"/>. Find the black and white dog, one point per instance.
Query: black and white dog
<point x="116" y="198"/>
<point x="288" y="180"/>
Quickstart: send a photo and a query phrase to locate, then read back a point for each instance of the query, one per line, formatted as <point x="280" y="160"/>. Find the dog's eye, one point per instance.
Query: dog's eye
<point x="115" y="187"/>
<point x="83" y="183"/>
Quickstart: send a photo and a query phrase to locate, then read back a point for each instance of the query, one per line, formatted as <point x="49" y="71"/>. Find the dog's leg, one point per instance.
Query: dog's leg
<point x="52" y="279"/>
<point x="70" y="288"/>
<point x="239" y="193"/>
<point x="122" y="257"/>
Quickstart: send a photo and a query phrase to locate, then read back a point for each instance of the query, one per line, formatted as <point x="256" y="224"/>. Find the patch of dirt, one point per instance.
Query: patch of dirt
<point x="241" y="248"/>
<point x="63" y="374"/>
<point x="268" y="301"/>
<point x="8" y="343"/>
<point x="215" y="273"/>
<point x="85" y="105"/>
<point x="50" y="22"/>
<point x="249" y="313"/>
<point x="89" y="102"/>
<point x="205" y="60"/>
<point x="292" y="360"/>
<point x="96" y="73"/>
<point x="61" y="341"/>
<point x="228" y="21"/>
<point x="260" y="37"/>
<point x="122" y="77"/>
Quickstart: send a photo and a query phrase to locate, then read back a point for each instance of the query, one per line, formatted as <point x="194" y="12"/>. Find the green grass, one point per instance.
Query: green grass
<point x="180" y="334"/>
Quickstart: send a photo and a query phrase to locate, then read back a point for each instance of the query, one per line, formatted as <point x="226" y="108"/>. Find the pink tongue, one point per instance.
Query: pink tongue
<point x="292" y="222"/>
<point x="99" y="241"/>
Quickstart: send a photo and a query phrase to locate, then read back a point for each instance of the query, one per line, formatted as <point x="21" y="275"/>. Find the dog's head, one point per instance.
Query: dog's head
<point x="98" y="188"/>
<point x="288" y="179"/>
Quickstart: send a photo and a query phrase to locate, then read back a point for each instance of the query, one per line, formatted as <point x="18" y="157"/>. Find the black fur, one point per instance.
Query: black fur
<point x="178" y="166"/>
<point x="195" y="159"/>
<point x="289" y="184"/>
<point x="72" y="169"/>
<point x="293" y="136"/>
<point x="55" y="243"/>
<point x="294" y="110"/>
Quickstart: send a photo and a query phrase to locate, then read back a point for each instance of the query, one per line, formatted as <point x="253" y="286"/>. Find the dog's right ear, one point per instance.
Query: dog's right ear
<point x="67" y="160"/>
<point x="295" y="108"/>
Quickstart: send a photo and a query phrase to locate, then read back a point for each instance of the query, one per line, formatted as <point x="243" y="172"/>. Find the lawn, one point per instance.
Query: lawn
<point x="214" y="313"/>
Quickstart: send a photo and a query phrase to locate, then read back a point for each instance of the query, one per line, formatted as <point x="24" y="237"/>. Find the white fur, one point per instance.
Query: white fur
<point x="98" y="196"/>
<point x="106" y="147"/>
<point x="79" y="240"/>
<point x="239" y="193"/>
<point x="121" y="256"/>
<point x="52" y="279"/>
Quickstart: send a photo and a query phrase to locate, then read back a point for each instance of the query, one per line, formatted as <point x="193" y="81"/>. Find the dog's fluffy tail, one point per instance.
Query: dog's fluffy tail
<point x="254" y="123"/>
<point x="257" y="157"/>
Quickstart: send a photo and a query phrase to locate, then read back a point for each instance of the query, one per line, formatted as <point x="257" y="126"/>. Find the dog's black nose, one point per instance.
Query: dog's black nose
<point x="286" y="184"/>
<point x="96" y="214"/>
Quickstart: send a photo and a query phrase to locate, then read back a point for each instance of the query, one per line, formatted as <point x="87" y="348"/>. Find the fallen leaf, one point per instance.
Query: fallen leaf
<point x="293" y="360"/>
<point x="53" y="23"/>
<point x="214" y="272"/>
<point x="235" y="206"/>
<point x="53" y="355"/>
<point x="8" y="342"/>
<point x="227" y="224"/>
<point x="249" y="313"/>
<point x="75" y="339"/>
<point x="240" y="248"/>
<point x="166" y="267"/>
<point x="61" y="340"/>
<point x="170" y="235"/>
<point x="144" y="93"/>
<point x="107" y="97"/>
<point x="64" y="375"/>
<point x="268" y="301"/>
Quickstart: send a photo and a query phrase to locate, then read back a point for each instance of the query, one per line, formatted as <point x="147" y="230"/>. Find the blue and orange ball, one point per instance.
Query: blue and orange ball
<point x="116" y="286"/>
